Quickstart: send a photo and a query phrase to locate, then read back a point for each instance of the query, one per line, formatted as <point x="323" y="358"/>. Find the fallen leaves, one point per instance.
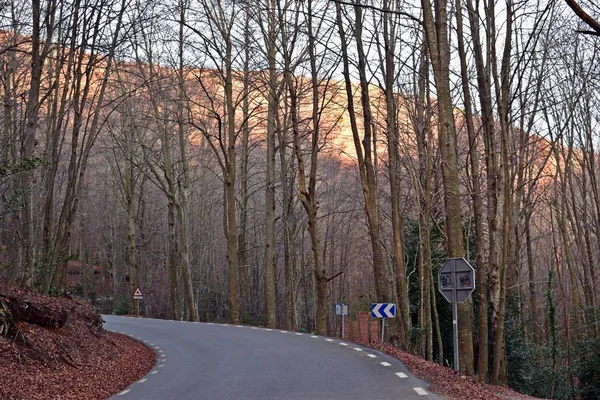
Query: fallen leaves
<point x="447" y="382"/>
<point x="73" y="360"/>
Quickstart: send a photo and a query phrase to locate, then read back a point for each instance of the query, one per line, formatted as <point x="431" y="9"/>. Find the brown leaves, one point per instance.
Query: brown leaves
<point x="77" y="360"/>
<point x="446" y="381"/>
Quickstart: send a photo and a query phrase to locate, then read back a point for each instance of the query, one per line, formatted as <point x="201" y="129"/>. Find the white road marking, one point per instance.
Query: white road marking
<point x="269" y="330"/>
<point x="124" y="392"/>
<point x="283" y="331"/>
<point x="154" y="373"/>
<point x="151" y="344"/>
<point x="142" y="380"/>
<point x="420" y="391"/>
<point x="401" y="375"/>
<point x="210" y="323"/>
<point x="239" y="326"/>
<point x="224" y="324"/>
<point x="386" y="364"/>
<point x="254" y="327"/>
<point x="329" y="340"/>
<point x="357" y="349"/>
<point x="313" y="336"/>
<point x="299" y="334"/>
<point x="162" y="365"/>
<point x="160" y="351"/>
<point x="343" y="344"/>
<point x="371" y="355"/>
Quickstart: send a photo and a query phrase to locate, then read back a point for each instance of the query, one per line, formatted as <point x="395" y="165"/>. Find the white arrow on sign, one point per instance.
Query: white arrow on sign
<point x="387" y="311"/>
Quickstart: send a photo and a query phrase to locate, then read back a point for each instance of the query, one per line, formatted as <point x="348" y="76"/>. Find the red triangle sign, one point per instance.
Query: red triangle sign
<point x="138" y="293"/>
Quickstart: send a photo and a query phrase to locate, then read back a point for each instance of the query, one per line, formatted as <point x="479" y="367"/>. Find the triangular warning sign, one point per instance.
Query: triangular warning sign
<point x="138" y="293"/>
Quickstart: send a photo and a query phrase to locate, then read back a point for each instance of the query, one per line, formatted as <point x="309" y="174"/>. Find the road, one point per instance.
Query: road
<point x="221" y="362"/>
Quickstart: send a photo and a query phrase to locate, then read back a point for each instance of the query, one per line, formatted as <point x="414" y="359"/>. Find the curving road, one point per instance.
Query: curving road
<point x="221" y="362"/>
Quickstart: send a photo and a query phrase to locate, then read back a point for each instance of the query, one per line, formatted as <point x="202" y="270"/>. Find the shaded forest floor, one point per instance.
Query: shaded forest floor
<point x="445" y="381"/>
<point x="54" y="347"/>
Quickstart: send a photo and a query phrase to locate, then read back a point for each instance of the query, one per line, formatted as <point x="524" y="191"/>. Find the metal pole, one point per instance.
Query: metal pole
<point x="138" y="306"/>
<point x="455" y="332"/>
<point x="382" y="328"/>
<point x="455" y="318"/>
<point x="342" y="322"/>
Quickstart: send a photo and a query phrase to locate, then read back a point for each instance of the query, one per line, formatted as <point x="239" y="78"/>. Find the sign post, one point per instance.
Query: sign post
<point x="456" y="282"/>
<point x="343" y="310"/>
<point x="138" y="295"/>
<point x="383" y="311"/>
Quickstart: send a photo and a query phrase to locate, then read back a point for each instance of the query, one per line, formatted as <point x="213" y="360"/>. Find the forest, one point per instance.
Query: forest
<point x="258" y="161"/>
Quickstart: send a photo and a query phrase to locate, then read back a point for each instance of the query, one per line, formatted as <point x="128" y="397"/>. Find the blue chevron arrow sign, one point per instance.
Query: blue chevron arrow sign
<point x="383" y="310"/>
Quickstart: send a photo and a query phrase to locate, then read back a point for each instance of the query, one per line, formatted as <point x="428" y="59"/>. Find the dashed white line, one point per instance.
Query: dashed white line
<point x="124" y="392"/>
<point x="385" y="364"/>
<point x="269" y="330"/>
<point x="224" y="324"/>
<point x="313" y="336"/>
<point x="299" y="334"/>
<point x="162" y="365"/>
<point x="329" y="340"/>
<point x="343" y="344"/>
<point x="154" y="373"/>
<point x="401" y="375"/>
<point x="151" y="344"/>
<point x="283" y="331"/>
<point x="239" y="326"/>
<point x="142" y="380"/>
<point x="420" y="391"/>
<point x="254" y="327"/>
<point x="210" y="323"/>
<point x="371" y="355"/>
<point x="160" y="351"/>
<point x="357" y="349"/>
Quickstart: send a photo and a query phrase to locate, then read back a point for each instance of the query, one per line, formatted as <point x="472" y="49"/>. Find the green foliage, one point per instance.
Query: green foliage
<point x="536" y="370"/>
<point x="22" y="165"/>
<point x="42" y="268"/>
<point x="588" y="371"/>
<point x="11" y="201"/>
<point x="252" y="319"/>
<point x="438" y="255"/>
<point x="530" y="369"/>
<point x="123" y="307"/>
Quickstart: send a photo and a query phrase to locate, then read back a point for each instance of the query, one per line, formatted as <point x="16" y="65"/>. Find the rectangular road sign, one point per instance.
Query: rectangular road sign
<point x="383" y="310"/>
<point x="342" y="309"/>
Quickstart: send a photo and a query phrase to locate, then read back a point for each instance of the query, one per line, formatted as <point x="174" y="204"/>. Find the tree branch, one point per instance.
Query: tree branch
<point x="585" y="17"/>
<point x="383" y="10"/>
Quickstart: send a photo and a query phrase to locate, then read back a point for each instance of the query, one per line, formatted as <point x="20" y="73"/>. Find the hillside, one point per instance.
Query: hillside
<point x="56" y="347"/>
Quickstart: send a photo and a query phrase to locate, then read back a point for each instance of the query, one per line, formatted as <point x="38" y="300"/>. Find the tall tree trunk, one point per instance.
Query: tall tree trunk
<point x="232" y="228"/>
<point x="477" y="198"/>
<point x="270" y="295"/>
<point x="388" y="70"/>
<point x="184" y="181"/>
<point x="424" y="139"/>
<point x="39" y="51"/>
<point x="436" y="32"/>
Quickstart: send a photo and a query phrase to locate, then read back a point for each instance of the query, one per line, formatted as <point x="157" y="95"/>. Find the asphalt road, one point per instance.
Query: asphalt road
<point x="221" y="362"/>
